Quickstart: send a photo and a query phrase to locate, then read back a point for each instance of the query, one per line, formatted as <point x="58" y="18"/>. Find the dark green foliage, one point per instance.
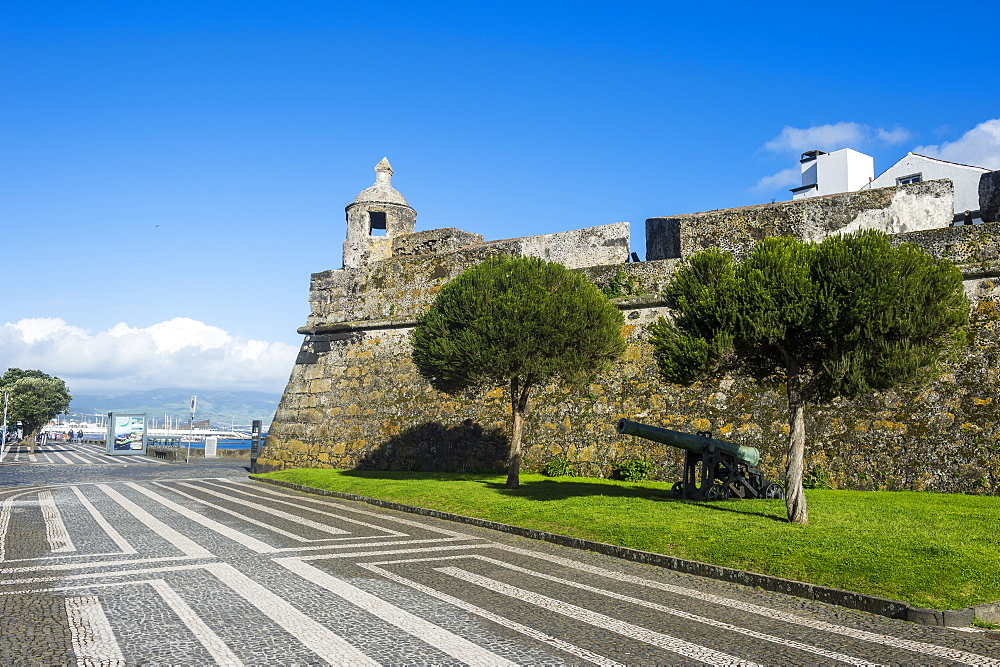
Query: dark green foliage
<point x="632" y="470"/>
<point x="520" y="317"/>
<point x="860" y="315"/>
<point x="846" y="317"/>
<point x="12" y="375"/>
<point x="559" y="467"/>
<point x="620" y="285"/>
<point x="516" y="322"/>
<point x="816" y="478"/>
<point x="35" y="398"/>
<point x="699" y="338"/>
<point x="888" y="315"/>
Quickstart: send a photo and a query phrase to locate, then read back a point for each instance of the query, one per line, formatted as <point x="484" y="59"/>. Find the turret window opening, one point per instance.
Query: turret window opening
<point x="377" y="223"/>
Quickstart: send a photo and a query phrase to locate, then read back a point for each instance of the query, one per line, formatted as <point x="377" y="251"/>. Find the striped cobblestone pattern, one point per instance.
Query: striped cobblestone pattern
<point x="227" y="571"/>
<point x="60" y="452"/>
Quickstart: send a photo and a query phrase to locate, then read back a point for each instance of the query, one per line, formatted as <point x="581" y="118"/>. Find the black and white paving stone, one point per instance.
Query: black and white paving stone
<point x="193" y="564"/>
<point x="61" y="452"/>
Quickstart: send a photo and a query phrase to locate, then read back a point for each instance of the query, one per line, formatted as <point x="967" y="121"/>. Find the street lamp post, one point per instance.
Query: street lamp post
<point x="194" y="400"/>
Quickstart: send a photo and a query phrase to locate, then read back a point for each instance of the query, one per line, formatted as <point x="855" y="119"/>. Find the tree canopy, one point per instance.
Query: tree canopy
<point x="516" y="323"/>
<point x="842" y="318"/>
<point x="35" y="398"/>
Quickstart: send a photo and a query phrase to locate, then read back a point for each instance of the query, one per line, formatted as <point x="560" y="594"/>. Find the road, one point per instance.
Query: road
<point x="67" y="453"/>
<point x="127" y="563"/>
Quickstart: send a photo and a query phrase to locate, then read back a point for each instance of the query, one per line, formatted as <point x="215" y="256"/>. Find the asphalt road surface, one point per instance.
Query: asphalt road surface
<point x="120" y="561"/>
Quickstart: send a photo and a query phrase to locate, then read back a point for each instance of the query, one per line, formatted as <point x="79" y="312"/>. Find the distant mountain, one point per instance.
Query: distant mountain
<point x="223" y="408"/>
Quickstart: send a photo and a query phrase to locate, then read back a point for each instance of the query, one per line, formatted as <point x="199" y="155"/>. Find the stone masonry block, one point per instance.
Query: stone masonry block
<point x="989" y="196"/>
<point x="904" y="208"/>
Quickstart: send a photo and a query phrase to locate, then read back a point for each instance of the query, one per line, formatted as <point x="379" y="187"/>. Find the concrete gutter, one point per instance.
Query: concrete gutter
<point x="869" y="603"/>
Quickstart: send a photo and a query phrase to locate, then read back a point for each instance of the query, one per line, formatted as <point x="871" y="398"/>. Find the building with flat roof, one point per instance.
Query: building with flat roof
<point x="848" y="170"/>
<point x="824" y="173"/>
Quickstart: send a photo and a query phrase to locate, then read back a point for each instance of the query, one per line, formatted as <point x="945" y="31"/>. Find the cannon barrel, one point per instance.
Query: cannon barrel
<point x="688" y="442"/>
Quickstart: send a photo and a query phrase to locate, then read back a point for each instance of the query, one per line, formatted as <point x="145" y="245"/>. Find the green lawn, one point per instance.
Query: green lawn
<point x="932" y="550"/>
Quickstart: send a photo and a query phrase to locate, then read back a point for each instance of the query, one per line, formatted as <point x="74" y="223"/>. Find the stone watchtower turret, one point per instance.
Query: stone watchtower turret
<point x="377" y="215"/>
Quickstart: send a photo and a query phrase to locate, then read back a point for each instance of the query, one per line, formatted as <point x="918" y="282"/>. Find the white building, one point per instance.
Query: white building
<point x="848" y="170"/>
<point x="845" y="170"/>
<point x="915" y="168"/>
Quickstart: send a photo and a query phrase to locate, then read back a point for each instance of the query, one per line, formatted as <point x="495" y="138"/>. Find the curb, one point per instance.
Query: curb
<point x="860" y="601"/>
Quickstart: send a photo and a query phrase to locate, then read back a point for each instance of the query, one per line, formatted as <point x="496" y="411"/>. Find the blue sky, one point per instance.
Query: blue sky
<point x="172" y="172"/>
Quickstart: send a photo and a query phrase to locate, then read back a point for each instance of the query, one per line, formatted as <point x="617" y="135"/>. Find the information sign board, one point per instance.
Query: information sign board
<point x="126" y="434"/>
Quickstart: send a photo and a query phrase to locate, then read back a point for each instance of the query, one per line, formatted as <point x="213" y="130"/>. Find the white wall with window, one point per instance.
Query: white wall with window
<point x="915" y="168"/>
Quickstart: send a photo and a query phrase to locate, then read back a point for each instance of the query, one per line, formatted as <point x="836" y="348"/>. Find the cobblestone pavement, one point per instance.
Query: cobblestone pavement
<point x="61" y="452"/>
<point x="194" y="564"/>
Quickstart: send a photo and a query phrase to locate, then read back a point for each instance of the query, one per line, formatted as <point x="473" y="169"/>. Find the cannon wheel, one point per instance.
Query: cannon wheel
<point x="677" y="490"/>
<point x="718" y="492"/>
<point x="774" y="491"/>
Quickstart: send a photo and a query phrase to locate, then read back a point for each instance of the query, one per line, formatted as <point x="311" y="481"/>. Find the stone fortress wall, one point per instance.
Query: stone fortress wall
<point x="354" y="398"/>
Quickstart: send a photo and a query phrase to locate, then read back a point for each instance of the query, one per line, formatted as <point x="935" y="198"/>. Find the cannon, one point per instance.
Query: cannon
<point x="713" y="469"/>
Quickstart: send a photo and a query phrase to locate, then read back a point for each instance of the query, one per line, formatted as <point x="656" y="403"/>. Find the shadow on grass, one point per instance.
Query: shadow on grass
<point x="550" y="489"/>
<point x="748" y="512"/>
<point x="556" y="489"/>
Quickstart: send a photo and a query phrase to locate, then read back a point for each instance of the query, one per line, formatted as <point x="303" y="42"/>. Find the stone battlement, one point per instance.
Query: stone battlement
<point x="401" y="287"/>
<point x="354" y="398"/>
<point x="895" y="210"/>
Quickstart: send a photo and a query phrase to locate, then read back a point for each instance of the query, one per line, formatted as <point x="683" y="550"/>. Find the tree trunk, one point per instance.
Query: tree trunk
<point x="795" y="497"/>
<point x="518" y="408"/>
<point x="29" y="437"/>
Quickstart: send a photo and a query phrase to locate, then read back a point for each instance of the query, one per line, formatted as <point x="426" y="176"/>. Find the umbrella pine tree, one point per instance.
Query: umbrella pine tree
<point x="843" y="318"/>
<point x="517" y="323"/>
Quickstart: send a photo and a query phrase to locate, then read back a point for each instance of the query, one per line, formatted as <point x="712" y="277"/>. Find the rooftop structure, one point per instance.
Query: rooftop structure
<point x="848" y="170"/>
<point x="823" y="173"/>
<point x="914" y="168"/>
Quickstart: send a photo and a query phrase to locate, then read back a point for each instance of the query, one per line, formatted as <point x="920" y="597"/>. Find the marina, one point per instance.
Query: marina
<point x="196" y="437"/>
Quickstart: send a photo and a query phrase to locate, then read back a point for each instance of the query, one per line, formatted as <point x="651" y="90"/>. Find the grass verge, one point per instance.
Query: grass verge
<point x="931" y="550"/>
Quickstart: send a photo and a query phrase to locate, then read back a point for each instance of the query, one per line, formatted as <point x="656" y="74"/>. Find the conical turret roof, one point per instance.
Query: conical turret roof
<point x="382" y="191"/>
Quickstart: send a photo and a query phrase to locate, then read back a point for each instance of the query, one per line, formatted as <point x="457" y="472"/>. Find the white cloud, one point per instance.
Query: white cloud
<point x="833" y="137"/>
<point x="980" y="147"/>
<point x="178" y="333"/>
<point x="37" y="329"/>
<point x="893" y="137"/>
<point x="180" y="353"/>
<point x="783" y="179"/>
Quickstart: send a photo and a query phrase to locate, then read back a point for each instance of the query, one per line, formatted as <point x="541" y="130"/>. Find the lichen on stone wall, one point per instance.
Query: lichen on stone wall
<point x="974" y="248"/>
<point x="989" y="196"/>
<point x="433" y="241"/>
<point x="400" y="288"/>
<point x="355" y="399"/>
<point x="925" y="205"/>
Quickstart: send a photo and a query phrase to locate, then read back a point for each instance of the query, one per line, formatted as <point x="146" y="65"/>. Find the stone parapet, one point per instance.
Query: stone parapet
<point x="355" y="399"/>
<point x="895" y="210"/>
<point x="433" y="241"/>
<point x="989" y="196"/>
<point x="400" y="288"/>
<point x="964" y="244"/>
